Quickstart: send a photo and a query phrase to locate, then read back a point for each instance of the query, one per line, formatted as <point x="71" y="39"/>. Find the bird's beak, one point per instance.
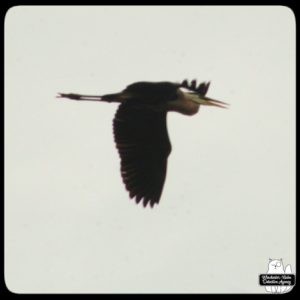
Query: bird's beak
<point x="208" y="101"/>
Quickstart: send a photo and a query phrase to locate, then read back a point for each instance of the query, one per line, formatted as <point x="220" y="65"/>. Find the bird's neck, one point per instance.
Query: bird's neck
<point x="184" y="105"/>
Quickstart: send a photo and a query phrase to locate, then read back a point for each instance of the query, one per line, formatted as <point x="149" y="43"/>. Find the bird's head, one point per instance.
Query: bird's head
<point x="197" y="94"/>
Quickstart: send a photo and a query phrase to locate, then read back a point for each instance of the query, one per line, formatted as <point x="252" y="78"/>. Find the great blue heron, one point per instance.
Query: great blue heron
<point x="140" y="130"/>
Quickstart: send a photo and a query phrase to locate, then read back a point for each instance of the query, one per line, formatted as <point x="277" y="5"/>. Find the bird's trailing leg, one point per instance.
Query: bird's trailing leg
<point x="79" y="97"/>
<point x="106" y="98"/>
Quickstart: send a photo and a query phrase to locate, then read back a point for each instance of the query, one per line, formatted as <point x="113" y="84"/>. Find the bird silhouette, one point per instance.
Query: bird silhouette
<point x="140" y="130"/>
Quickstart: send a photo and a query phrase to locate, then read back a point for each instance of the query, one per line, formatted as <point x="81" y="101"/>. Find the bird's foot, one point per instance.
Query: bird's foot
<point x="69" y="96"/>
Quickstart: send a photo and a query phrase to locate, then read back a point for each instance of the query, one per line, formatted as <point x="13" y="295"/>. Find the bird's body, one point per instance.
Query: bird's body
<point x="140" y="130"/>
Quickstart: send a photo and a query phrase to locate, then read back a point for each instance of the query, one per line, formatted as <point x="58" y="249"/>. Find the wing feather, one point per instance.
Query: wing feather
<point x="143" y="144"/>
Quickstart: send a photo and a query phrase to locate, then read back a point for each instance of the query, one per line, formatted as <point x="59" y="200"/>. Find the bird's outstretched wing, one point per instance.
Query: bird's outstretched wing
<point x="142" y="140"/>
<point x="201" y="89"/>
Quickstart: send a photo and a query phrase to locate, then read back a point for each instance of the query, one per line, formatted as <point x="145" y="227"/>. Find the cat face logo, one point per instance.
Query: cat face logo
<point x="278" y="279"/>
<point x="276" y="266"/>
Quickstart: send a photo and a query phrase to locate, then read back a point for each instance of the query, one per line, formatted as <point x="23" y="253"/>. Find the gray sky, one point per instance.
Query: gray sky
<point x="229" y="199"/>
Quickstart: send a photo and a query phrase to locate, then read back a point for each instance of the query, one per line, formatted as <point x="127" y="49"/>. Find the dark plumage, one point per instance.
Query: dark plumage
<point x="143" y="156"/>
<point x="140" y="130"/>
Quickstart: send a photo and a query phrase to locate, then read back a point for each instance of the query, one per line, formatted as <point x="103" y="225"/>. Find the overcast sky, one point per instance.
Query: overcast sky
<point x="228" y="204"/>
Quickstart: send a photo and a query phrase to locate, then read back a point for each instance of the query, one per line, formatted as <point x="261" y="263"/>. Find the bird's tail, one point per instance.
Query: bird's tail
<point x="106" y="98"/>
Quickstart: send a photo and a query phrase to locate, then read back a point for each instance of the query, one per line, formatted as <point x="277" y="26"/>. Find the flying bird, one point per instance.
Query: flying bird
<point x="140" y="130"/>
